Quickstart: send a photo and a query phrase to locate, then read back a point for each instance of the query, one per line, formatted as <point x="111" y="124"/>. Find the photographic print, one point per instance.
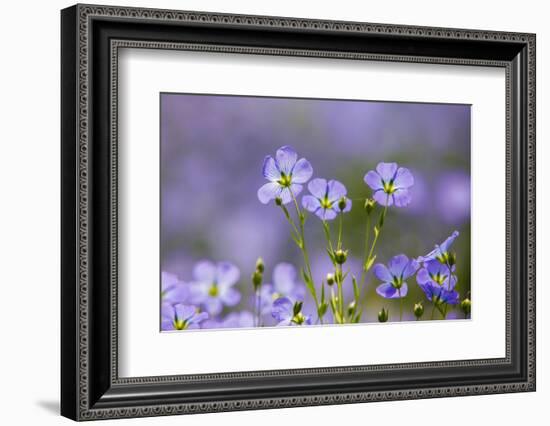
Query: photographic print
<point x="302" y="212"/>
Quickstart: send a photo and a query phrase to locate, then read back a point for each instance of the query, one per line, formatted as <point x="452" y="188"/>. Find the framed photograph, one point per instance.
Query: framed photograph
<point x="263" y="212"/>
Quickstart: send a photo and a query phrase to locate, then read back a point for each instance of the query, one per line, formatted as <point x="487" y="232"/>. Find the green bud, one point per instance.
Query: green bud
<point x="260" y="265"/>
<point x="342" y="203"/>
<point x="418" y="310"/>
<point x="297" y="308"/>
<point x="383" y="315"/>
<point x="466" y="306"/>
<point x="330" y="279"/>
<point x="323" y="309"/>
<point x="257" y="279"/>
<point x="369" y="205"/>
<point x="278" y="201"/>
<point x="351" y="308"/>
<point x="340" y="256"/>
<point x="451" y="258"/>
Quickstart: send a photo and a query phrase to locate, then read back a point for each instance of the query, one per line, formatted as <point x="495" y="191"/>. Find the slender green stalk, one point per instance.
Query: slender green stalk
<point x="433" y="312"/>
<point x="400" y="305"/>
<point x="365" y="258"/>
<point x="303" y="247"/>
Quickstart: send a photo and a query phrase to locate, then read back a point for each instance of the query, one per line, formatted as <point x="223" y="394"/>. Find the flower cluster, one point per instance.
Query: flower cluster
<point x="213" y="296"/>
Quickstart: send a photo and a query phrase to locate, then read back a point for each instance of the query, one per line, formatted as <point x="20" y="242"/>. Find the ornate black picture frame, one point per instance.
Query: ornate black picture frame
<point x="91" y="36"/>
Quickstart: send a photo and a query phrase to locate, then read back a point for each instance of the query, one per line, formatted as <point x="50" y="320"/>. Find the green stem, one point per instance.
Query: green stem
<point x="365" y="258"/>
<point x="340" y="291"/>
<point x="377" y="234"/>
<point x="303" y="247"/>
<point x="400" y="305"/>
<point x="433" y="312"/>
<point x="339" y="246"/>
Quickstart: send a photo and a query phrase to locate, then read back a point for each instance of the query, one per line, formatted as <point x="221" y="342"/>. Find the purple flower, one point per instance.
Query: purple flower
<point x="180" y="317"/>
<point x="285" y="174"/>
<point x="327" y="199"/>
<point x="238" y="320"/>
<point x="394" y="275"/>
<point x="172" y="289"/>
<point x="440" y="252"/>
<point x="437" y="273"/>
<point x="212" y="287"/>
<point x="390" y="184"/>
<point x="287" y="313"/>
<point x="438" y="294"/>
<point x="284" y="284"/>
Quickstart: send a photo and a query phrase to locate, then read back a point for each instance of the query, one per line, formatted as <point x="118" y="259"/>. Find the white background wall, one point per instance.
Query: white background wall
<point x="29" y="211"/>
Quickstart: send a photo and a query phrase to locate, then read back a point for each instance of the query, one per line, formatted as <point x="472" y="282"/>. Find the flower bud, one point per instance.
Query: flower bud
<point x="278" y="201"/>
<point x="418" y="310"/>
<point x="340" y="256"/>
<point x="351" y="308"/>
<point x="383" y="315"/>
<point x="257" y="279"/>
<point x="369" y="205"/>
<point x="466" y="306"/>
<point x="342" y="203"/>
<point x="451" y="258"/>
<point x="260" y="265"/>
<point x="330" y="279"/>
<point x="297" y="308"/>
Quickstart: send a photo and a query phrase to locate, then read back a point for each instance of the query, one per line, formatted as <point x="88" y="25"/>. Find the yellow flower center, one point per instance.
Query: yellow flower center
<point x="389" y="188"/>
<point x="213" y="291"/>
<point x="326" y="203"/>
<point x="438" y="278"/>
<point x="180" y="324"/>
<point x="285" y="180"/>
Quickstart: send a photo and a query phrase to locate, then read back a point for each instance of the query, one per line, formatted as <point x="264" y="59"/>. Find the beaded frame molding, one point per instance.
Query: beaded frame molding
<point x="91" y="38"/>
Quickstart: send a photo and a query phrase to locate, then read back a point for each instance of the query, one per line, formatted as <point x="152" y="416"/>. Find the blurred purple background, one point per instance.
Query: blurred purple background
<point x="212" y="149"/>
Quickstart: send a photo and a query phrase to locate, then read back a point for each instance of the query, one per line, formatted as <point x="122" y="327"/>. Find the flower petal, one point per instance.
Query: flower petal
<point x="386" y="171"/>
<point x="403" y="178"/>
<point x="284" y="278"/>
<point x="444" y="247"/>
<point x="348" y="206"/>
<point x="167" y="281"/>
<point x="230" y="297"/>
<point x="387" y="291"/>
<point x="198" y="318"/>
<point x="382" y="198"/>
<point x="286" y="194"/>
<point x="282" y="309"/>
<point x="286" y="159"/>
<point x="402" y="197"/>
<point x="227" y="274"/>
<point x="450" y="297"/>
<point x="373" y="180"/>
<point x="167" y="312"/>
<point x="381" y="272"/>
<point x="335" y="190"/>
<point x="268" y="192"/>
<point x="403" y="290"/>
<point x="318" y="187"/>
<point x="270" y="170"/>
<point x="410" y="269"/>
<point x="205" y="271"/>
<point x="326" y="214"/>
<point x="423" y="277"/>
<point x="184" y="312"/>
<point x="213" y="305"/>
<point x="302" y="171"/>
<point x="397" y="265"/>
<point x="310" y="203"/>
<point x="176" y="294"/>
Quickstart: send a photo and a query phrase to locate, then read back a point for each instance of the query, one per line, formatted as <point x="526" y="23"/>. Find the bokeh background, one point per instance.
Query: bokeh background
<point x="212" y="150"/>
